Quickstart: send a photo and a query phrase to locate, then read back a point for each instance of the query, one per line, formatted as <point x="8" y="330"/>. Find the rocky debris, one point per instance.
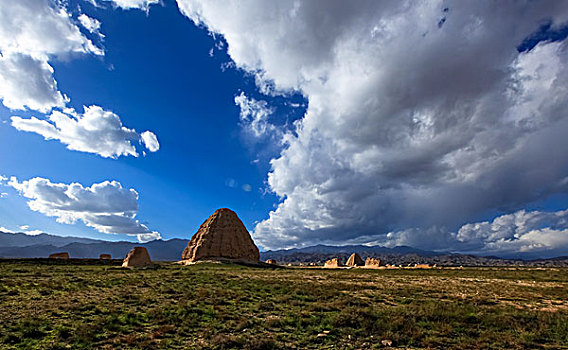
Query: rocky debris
<point x="137" y="257"/>
<point x="355" y="260"/>
<point x="271" y="261"/>
<point x="222" y="235"/>
<point x="333" y="263"/>
<point x="105" y="257"/>
<point x="323" y="334"/>
<point x="373" y="263"/>
<point x="64" y="256"/>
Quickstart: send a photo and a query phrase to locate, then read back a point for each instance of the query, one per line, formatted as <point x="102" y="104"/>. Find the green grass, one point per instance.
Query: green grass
<point x="46" y="305"/>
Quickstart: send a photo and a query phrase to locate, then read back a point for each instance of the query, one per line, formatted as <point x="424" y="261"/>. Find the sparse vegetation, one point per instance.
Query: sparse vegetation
<point x="72" y="304"/>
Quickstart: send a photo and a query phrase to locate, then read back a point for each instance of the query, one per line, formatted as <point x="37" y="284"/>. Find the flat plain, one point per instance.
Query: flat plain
<point x="83" y="304"/>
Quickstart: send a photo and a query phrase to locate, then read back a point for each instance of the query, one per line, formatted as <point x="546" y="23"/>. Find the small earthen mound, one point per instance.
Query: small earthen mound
<point x="355" y="260"/>
<point x="221" y="236"/>
<point x="271" y="261"/>
<point x="105" y="257"/>
<point x="137" y="257"/>
<point x="332" y="264"/>
<point x="373" y="263"/>
<point x="64" y="256"/>
<point x="422" y="266"/>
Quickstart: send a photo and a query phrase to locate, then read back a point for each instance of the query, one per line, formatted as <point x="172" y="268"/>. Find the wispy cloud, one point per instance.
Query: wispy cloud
<point x="254" y="115"/>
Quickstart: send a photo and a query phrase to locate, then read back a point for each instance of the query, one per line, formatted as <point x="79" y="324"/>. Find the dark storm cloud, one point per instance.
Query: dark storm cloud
<point x="413" y="128"/>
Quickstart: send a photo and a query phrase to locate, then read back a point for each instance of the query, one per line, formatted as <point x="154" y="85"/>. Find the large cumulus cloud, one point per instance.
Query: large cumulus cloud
<point x="421" y="114"/>
<point x="105" y="206"/>
<point x="32" y="32"/>
<point x="519" y="234"/>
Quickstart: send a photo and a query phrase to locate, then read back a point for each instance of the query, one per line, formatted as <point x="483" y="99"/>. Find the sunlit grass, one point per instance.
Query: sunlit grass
<point x="212" y="306"/>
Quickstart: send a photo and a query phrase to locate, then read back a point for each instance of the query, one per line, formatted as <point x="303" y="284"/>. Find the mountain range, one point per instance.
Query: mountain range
<point x="21" y="245"/>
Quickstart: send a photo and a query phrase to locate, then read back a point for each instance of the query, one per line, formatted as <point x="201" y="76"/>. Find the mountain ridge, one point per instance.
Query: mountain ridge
<point x="21" y="239"/>
<point x="12" y="246"/>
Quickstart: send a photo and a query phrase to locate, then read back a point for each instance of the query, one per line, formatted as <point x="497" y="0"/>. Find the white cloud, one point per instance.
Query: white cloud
<point x="28" y="82"/>
<point x="247" y="188"/>
<point x="135" y="4"/>
<point x="410" y="124"/>
<point x="150" y="140"/>
<point x="539" y="233"/>
<point x="41" y="28"/>
<point x="147" y="237"/>
<point x="91" y="24"/>
<point x="3" y="180"/>
<point x="105" y="206"/>
<point x="94" y="3"/>
<point x="521" y="231"/>
<point x="95" y="131"/>
<point x="33" y="232"/>
<point x="254" y="115"/>
<point x="25" y="230"/>
<point x="32" y="32"/>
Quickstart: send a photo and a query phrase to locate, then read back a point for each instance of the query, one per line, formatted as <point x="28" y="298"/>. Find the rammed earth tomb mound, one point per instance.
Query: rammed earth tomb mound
<point x="333" y="263"/>
<point x="373" y="263"/>
<point x="63" y="256"/>
<point x="222" y="236"/>
<point x="355" y="260"/>
<point x="137" y="257"/>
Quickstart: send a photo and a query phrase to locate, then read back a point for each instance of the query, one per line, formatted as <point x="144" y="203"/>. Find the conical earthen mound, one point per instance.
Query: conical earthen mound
<point x="63" y="256"/>
<point x="222" y="235"/>
<point x="354" y="260"/>
<point x="137" y="257"/>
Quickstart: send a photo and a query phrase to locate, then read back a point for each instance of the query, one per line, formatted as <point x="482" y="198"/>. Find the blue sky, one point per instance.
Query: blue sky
<point x="434" y="125"/>
<point x="156" y="74"/>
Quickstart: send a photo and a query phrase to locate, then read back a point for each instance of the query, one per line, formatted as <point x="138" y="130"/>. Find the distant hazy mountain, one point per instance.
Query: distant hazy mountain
<point x="404" y="256"/>
<point x="23" y="240"/>
<point x="349" y="249"/>
<point x="320" y="253"/>
<point x="20" y="245"/>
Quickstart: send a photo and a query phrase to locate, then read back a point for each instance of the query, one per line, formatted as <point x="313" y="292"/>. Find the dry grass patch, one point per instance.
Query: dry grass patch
<point x="214" y="306"/>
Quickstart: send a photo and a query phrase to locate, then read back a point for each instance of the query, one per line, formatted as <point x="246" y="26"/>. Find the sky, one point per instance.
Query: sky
<point x="438" y="124"/>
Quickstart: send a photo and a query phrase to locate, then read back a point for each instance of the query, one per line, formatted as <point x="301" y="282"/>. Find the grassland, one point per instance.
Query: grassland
<point x="62" y="305"/>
